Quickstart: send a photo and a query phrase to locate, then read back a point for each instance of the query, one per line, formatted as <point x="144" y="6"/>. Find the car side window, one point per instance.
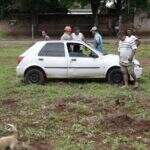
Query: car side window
<point x="79" y="50"/>
<point x="53" y="50"/>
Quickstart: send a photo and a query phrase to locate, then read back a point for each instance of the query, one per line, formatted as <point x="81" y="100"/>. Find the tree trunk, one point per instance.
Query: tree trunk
<point x="120" y="22"/>
<point x="2" y="9"/>
<point x="119" y="14"/>
<point x="96" y="21"/>
<point x="94" y="6"/>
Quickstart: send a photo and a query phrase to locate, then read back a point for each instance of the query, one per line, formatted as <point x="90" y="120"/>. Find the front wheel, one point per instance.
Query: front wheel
<point x="115" y="76"/>
<point x="34" y="76"/>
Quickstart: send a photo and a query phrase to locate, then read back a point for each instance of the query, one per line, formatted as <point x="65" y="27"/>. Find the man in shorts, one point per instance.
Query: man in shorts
<point x="127" y="49"/>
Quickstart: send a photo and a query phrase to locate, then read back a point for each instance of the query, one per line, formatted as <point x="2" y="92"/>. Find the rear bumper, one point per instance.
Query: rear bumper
<point x="20" y="71"/>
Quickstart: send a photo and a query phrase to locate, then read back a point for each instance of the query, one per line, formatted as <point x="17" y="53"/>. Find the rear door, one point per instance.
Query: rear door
<point x="52" y="58"/>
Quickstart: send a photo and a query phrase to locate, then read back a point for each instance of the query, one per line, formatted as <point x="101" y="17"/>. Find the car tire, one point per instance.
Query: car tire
<point x="34" y="76"/>
<point x="115" y="76"/>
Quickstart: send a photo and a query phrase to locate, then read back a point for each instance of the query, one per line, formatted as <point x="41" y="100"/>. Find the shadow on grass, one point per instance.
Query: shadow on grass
<point x="80" y="81"/>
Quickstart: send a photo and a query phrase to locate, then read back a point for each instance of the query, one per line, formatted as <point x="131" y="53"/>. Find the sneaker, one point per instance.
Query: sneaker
<point x="136" y="85"/>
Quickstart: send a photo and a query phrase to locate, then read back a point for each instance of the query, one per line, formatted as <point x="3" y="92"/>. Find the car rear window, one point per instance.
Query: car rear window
<point x="53" y="50"/>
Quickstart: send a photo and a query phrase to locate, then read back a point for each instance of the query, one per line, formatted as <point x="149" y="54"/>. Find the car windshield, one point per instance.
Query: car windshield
<point x="90" y="45"/>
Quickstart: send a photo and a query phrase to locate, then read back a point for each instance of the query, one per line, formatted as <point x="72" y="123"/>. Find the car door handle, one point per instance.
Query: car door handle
<point x="41" y="59"/>
<point x="73" y="60"/>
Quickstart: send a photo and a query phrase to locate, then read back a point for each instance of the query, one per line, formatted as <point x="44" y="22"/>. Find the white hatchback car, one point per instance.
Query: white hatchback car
<point x="69" y="59"/>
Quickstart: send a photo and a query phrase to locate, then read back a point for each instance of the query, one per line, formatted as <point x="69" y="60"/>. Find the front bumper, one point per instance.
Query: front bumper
<point x="138" y="71"/>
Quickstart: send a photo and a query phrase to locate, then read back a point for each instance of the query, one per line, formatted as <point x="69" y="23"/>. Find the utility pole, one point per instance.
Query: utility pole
<point x="119" y="6"/>
<point x="94" y="6"/>
<point x="32" y="30"/>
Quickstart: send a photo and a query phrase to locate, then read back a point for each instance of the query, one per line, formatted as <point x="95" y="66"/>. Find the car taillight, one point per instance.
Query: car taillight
<point x="19" y="59"/>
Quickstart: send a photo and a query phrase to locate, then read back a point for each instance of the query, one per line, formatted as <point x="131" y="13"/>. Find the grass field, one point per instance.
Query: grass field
<point x="75" y="115"/>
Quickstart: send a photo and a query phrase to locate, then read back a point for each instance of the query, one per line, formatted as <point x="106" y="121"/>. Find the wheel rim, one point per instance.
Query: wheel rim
<point x="116" y="78"/>
<point x="34" y="78"/>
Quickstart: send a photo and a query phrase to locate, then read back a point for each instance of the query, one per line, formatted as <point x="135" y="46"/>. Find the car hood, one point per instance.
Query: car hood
<point x="112" y="58"/>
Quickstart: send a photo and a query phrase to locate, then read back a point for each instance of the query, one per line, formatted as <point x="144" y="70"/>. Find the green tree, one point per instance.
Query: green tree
<point x="40" y="6"/>
<point x="123" y="6"/>
<point x="4" y="8"/>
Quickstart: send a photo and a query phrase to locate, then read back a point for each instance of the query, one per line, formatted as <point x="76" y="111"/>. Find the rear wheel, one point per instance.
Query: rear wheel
<point x="34" y="76"/>
<point x="115" y="76"/>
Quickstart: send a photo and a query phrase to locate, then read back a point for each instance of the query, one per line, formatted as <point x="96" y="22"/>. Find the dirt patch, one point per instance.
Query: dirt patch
<point x="95" y="113"/>
<point x="124" y="123"/>
<point x="80" y="98"/>
<point x="85" y="105"/>
<point x="118" y="121"/>
<point x="141" y="126"/>
<point x="60" y="105"/>
<point x="63" y="104"/>
<point x="10" y="103"/>
<point x="41" y="146"/>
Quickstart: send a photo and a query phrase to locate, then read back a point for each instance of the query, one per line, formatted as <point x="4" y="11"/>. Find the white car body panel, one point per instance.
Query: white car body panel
<point x="54" y="70"/>
<point x="66" y="67"/>
<point x="80" y="69"/>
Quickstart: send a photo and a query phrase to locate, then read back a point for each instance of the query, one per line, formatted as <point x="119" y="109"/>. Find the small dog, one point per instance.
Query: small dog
<point x="9" y="142"/>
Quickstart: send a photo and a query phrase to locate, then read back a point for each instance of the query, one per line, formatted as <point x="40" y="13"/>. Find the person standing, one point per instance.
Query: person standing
<point x="127" y="49"/>
<point x="67" y="33"/>
<point x="98" y="41"/>
<point x="77" y="35"/>
<point x="45" y="36"/>
<point x="130" y="34"/>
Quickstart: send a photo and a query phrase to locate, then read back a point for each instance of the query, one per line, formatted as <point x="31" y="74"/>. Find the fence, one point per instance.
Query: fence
<point x="52" y="24"/>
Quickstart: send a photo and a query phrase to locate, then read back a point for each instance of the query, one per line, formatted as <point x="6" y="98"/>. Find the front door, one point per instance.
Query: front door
<point x="82" y="62"/>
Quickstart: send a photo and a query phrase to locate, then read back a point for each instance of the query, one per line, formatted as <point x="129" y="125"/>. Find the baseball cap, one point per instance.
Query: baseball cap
<point x="93" y="29"/>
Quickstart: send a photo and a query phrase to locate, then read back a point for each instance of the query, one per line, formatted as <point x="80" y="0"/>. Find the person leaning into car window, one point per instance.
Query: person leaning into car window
<point x="98" y="41"/>
<point x="127" y="49"/>
<point x="77" y="35"/>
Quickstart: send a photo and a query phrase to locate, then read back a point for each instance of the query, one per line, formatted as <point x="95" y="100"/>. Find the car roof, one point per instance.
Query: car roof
<point x="38" y="45"/>
<point x="60" y="41"/>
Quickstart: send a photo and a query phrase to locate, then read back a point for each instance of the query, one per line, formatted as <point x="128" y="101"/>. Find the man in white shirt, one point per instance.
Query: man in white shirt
<point x="133" y="37"/>
<point x="77" y="35"/>
<point x="127" y="49"/>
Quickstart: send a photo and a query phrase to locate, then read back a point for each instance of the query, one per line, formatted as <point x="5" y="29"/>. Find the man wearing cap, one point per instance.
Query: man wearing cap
<point x="98" y="42"/>
<point x="67" y="33"/>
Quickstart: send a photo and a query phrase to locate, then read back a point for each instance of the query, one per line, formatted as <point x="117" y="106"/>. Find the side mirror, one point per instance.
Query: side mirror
<point x="94" y="55"/>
